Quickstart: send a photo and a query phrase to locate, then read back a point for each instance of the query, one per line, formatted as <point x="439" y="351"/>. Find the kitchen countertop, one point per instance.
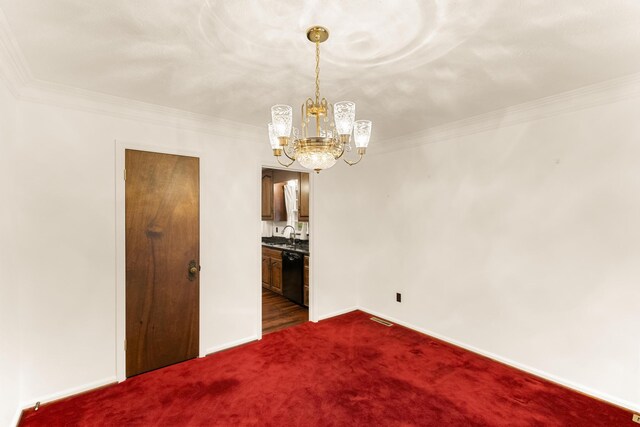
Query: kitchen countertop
<point x="283" y="244"/>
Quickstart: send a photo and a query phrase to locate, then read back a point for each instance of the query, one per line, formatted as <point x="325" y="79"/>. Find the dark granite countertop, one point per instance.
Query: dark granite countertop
<point x="282" y="243"/>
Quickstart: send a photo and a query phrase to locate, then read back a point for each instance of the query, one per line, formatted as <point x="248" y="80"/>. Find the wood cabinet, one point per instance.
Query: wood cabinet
<point x="276" y="275"/>
<point x="272" y="269"/>
<point x="306" y="280"/>
<point x="266" y="270"/>
<point x="267" y="194"/>
<point x="273" y="204"/>
<point x="303" y="214"/>
<point x="279" y="206"/>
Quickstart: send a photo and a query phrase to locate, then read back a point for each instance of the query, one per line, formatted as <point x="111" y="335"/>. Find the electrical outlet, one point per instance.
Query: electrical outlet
<point x="398" y="297"/>
<point x="636" y="418"/>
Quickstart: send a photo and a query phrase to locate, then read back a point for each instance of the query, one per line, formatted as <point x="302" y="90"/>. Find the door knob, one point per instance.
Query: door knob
<point x="193" y="269"/>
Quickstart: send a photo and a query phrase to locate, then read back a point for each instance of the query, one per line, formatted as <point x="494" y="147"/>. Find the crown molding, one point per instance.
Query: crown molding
<point x="16" y="74"/>
<point x="13" y="69"/>
<point x="610" y="91"/>
<point x="48" y="93"/>
<point x="602" y="93"/>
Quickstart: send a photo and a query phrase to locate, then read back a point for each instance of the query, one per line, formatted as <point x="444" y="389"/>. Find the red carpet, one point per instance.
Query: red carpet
<point x="345" y="371"/>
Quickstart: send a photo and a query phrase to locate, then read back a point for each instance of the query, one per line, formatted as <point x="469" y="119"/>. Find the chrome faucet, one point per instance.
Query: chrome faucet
<point x="292" y="235"/>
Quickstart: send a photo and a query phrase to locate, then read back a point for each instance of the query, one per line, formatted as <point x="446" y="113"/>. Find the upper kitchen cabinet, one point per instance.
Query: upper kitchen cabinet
<point x="280" y="179"/>
<point x="273" y="194"/>
<point x="303" y="214"/>
<point x="267" y="194"/>
<point x="279" y="205"/>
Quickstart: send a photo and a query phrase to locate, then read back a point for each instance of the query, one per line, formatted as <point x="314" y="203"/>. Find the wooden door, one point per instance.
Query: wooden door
<point x="267" y="194"/>
<point x="162" y="199"/>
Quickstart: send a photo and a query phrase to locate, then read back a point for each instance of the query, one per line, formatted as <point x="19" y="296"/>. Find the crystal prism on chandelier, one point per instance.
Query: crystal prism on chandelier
<point x="334" y="126"/>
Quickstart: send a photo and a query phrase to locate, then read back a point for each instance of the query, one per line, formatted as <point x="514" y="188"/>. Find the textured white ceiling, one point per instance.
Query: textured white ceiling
<point x="408" y="65"/>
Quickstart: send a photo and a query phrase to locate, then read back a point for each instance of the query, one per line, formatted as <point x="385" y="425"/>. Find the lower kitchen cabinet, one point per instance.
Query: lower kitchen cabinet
<point x="266" y="271"/>
<point x="272" y="269"/>
<point x="276" y="275"/>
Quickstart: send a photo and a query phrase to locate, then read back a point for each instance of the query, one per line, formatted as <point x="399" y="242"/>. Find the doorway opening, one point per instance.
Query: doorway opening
<point x="285" y="249"/>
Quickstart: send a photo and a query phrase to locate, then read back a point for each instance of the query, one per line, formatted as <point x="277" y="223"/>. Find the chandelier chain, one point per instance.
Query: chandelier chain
<point x="317" y="72"/>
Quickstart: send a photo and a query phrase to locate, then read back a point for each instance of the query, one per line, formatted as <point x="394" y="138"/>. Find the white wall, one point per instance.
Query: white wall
<point x="64" y="175"/>
<point x="331" y="236"/>
<point x="522" y="242"/>
<point x="62" y="172"/>
<point x="519" y="242"/>
<point x="9" y="288"/>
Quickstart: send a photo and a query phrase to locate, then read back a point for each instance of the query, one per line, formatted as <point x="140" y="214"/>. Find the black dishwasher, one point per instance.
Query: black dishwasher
<point x="292" y="269"/>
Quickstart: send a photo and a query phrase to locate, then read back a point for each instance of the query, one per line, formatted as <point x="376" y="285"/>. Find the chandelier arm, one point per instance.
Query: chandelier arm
<point x="286" y="165"/>
<point x="350" y="163"/>
<point x="293" y="159"/>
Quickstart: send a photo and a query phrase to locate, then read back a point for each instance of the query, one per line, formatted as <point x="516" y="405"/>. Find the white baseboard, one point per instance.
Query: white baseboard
<point x="229" y="345"/>
<point x="337" y="313"/>
<point x="553" y="378"/>
<point x="550" y="377"/>
<point x="30" y="403"/>
<point x="68" y="392"/>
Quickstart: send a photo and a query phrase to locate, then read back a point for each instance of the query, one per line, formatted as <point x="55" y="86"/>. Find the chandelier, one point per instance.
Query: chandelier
<point x="334" y="124"/>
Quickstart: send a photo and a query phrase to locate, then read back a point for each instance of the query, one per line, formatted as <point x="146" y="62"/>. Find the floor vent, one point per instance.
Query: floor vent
<point x="381" y="321"/>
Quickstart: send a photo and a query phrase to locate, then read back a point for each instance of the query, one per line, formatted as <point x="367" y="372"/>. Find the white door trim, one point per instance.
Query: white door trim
<point x="120" y="147"/>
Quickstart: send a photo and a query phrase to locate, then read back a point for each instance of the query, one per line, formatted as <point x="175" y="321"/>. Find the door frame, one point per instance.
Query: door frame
<point x="313" y="317"/>
<point x="120" y="300"/>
